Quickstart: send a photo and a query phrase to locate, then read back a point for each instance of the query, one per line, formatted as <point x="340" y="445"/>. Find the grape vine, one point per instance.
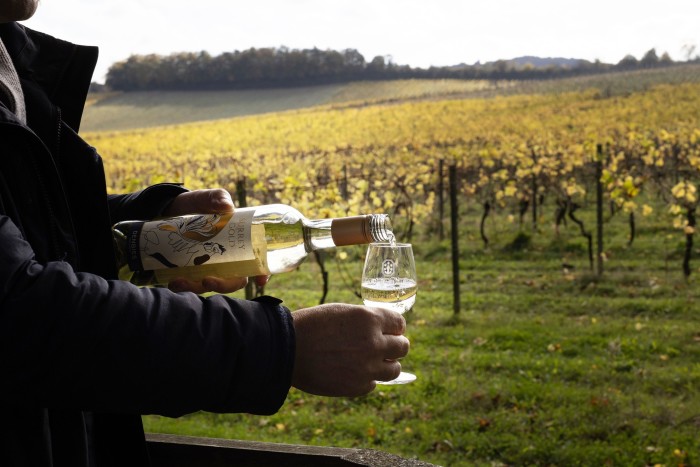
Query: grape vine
<point x="512" y="152"/>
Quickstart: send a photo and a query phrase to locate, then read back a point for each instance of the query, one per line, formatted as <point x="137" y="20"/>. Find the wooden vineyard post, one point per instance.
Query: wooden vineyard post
<point x="344" y="184"/>
<point x="692" y="222"/>
<point x="534" y="194"/>
<point x="454" y="216"/>
<point x="441" y="201"/>
<point x="599" y="209"/>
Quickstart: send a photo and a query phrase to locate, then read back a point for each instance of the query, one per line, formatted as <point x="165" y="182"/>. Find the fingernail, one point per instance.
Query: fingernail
<point x="224" y="201"/>
<point x="261" y="280"/>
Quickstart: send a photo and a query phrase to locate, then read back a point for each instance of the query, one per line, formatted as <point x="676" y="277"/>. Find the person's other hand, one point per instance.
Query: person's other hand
<point x="210" y="201"/>
<point x="343" y="350"/>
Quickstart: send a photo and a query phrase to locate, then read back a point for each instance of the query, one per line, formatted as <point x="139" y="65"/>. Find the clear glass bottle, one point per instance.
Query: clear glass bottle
<point x="252" y="241"/>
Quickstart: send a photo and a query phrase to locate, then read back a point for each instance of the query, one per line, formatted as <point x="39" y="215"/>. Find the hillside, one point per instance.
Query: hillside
<point x="122" y="111"/>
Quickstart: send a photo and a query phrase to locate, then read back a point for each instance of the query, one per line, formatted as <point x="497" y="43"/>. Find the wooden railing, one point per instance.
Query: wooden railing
<point x="187" y="451"/>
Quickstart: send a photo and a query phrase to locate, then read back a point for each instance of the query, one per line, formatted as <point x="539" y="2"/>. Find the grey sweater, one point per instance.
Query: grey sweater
<point x="10" y="90"/>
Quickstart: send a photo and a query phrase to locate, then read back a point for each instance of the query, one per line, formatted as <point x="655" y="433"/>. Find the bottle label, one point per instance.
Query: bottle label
<point x="191" y="241"/>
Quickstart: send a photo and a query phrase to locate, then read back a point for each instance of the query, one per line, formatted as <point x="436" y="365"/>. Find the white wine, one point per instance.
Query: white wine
<point x="389" y="281"/>
<point x="251" y="241"/>
<point x="396" y="294"/>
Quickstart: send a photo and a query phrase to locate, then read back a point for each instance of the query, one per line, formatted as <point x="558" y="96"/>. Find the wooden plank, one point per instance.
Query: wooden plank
<point x="188" y="451"/>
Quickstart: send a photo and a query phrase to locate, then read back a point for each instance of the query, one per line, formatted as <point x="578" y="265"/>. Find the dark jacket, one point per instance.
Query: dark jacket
<point x="82" y="354"/>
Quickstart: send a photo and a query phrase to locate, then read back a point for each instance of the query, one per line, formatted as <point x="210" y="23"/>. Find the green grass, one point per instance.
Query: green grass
<point x="544" y="365"/>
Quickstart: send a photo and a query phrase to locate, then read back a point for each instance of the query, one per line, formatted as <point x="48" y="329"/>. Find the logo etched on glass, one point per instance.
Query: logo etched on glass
<point x="388" y="268"/>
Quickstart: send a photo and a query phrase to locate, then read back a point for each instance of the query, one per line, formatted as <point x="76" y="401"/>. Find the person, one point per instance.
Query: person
<point x="82" y="354"/>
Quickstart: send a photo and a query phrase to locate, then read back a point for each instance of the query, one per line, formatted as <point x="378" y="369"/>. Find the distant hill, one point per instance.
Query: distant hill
<point x="531" y="60"/>
<point x="544" y="62"/>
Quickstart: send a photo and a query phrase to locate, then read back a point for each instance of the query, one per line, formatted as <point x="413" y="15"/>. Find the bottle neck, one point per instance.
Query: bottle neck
<point x="342" y="231"/>
<point x="317" y="234"/>
<point x="380" y="228"/>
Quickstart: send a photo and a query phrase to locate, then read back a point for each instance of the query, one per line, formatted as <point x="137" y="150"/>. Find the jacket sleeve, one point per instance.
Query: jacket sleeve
<point x="74" y="340"/>
<point x="145" y="204"/>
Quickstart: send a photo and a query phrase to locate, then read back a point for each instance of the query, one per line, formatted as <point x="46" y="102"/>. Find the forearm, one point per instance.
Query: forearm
<point x="72" y="340"/>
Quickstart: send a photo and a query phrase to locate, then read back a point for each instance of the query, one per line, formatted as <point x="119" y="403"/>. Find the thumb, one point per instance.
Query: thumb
<point x="214" y="200"/>
<point x="201" y="201"/>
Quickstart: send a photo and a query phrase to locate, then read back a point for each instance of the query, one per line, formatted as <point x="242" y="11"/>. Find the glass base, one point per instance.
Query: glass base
<point x="403" y="378"/>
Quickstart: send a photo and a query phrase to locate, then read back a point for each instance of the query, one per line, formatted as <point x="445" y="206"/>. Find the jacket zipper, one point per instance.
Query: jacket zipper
<point x="59" y="253"/>
<point x="57" y="157"/>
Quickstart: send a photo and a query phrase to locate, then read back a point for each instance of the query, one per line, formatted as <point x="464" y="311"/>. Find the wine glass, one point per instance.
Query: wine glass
<point x="389" y="281"/>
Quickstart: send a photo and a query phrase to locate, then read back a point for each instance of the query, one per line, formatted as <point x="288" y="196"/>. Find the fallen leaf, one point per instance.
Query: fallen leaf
<point x="484" y="424"/>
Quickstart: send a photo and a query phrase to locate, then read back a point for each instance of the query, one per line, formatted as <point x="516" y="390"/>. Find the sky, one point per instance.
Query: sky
<point x="418" y="33"/>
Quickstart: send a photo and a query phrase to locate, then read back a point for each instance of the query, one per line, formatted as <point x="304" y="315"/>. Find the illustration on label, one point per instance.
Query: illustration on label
<point x="196" y="240"/>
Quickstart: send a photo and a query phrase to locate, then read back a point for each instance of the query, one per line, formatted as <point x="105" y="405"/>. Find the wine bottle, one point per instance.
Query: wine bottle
<point x="251" y="241"/>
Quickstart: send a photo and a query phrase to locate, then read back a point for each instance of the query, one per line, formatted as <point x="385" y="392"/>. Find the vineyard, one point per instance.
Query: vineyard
<point x="547" y="154"/>
<point x="550" y="362"/>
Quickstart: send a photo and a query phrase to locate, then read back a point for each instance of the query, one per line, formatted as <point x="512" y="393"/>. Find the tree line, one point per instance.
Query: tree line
<point x="284" y="67"/>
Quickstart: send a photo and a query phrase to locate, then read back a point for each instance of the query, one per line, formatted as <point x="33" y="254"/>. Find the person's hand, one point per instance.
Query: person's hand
<point x="343" y="350"/>
<point x="206" y="202"/>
